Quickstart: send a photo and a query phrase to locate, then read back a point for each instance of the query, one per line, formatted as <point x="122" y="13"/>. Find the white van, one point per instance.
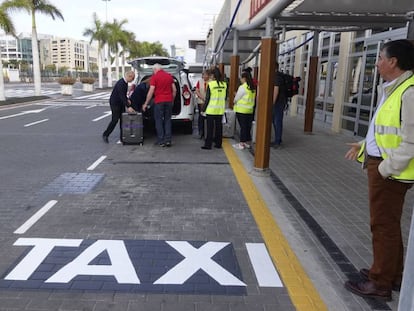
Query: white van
<point x="183" y="108"/>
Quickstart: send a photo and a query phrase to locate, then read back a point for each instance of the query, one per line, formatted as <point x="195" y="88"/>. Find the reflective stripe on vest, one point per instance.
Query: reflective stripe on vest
<point x="388" y="127"/>
<point x="217" y="100"/>
<point x="246" y="103"/>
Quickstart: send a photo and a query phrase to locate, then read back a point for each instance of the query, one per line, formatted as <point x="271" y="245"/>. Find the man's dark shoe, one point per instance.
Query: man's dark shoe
<point x="218" y="147"/>
<point x="168" y="144"/>
<point x="205" y="148"/>
<point x="396" y="286"/>
<point x="368" y="289"/>
<point x="105" y="139"/>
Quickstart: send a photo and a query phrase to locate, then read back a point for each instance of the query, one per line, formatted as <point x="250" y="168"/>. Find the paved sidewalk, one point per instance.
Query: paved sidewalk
<point x="328" y="207"/>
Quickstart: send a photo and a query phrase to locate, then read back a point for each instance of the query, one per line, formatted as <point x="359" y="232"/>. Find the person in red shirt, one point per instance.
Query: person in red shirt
<point x="162" y="87"/>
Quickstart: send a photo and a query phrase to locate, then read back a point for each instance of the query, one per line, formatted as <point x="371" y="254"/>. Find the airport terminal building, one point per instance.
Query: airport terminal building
<point x="345" y="44"/>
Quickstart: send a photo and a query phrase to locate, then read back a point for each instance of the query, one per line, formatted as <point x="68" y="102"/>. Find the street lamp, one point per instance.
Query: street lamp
<point x="106" y="9"/>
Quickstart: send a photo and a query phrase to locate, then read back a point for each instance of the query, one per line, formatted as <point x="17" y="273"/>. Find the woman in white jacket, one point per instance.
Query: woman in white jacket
<point x="244" y="102"/>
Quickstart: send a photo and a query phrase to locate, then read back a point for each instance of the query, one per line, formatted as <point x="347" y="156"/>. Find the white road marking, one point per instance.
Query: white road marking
<point x="107" y="113"/>
<point x="96" y="163"/>
<point x="37" y="122"/>
<point x="42" y="248"/>
<point x="32" y="220"/>
<point x="22" y="113"/>
<point x="89" y="107"/>
<point x="94" y="96"/>
<point x="263" y="267"/>
<point x="196" y="259"/>
<point x="28" y="92"/>
<point x="120" y="267"/>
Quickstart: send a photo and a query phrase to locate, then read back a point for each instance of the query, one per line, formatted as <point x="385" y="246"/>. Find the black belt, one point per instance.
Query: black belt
<point x="375" y="158"/>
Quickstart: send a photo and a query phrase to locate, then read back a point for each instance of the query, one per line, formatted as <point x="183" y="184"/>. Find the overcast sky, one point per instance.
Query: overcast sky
<point x="167" y="21"/>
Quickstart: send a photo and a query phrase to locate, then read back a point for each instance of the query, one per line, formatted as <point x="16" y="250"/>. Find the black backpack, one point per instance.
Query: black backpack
<point x="291" y="85"/>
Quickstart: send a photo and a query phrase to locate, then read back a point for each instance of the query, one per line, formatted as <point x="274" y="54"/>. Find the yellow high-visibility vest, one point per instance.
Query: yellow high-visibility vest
<point x="217" y="102"/>
<point x="246" y="103"/>
<point x="387" y="129"/>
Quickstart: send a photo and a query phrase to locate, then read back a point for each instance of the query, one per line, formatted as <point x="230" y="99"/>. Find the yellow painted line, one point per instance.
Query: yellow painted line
<point x="301" y="290"/>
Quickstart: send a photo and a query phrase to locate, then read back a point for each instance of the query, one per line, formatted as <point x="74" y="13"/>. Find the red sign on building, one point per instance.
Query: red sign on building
<point x="256" y="6"/>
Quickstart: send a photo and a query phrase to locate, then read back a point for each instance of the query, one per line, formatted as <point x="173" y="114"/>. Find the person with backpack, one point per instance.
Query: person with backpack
<point x="244" y="102"/>
<point x="279" y="103"/>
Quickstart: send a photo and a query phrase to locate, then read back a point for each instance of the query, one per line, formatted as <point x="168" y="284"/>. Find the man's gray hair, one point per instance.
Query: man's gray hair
<point x="156" y="66"/>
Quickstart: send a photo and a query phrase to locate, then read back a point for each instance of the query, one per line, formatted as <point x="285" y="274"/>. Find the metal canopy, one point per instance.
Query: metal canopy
<point x="248" y="41"/>
<point x="347" y="14"/>
<point x="320" y="15"/>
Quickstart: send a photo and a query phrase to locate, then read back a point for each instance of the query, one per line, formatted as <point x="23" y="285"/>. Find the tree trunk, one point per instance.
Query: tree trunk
<point x="109" y="74"/>
<point x="100" y="75"/>
<point x="117" y="65"/>
<point x="123" y="63"/>
<point x="36" y="61"/>
<point x="2" y="93"/>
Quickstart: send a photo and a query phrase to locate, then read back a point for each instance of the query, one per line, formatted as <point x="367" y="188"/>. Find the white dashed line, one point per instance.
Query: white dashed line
<point x="96" y="163"/>
<point x="263" y="267"/>
<point x="37" y="122"/>
<point x="32" y="220"/>
<point x="106" y="114"/>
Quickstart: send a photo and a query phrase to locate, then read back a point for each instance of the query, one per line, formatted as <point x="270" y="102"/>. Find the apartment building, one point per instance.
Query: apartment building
<point x="68" y="54"/>
<point x="71" y="54"/>
<point x="16" y="48"/>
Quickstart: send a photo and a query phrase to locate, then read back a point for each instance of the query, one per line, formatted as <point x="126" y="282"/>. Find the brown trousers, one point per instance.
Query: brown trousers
<point x="386" y="200"/>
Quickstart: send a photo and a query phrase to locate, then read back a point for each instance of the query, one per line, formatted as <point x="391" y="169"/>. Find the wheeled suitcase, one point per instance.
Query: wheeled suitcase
<point x="132" y="129"/>
<point x="229" y="127"/>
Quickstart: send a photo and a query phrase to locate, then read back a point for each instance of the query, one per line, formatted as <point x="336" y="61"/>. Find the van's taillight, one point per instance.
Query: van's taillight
<point x="186" y="95"/>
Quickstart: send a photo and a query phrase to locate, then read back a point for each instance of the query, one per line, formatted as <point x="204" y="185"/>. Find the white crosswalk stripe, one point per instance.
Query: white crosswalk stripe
<point x="28" y="92"/>
<point x="101" y="95"/>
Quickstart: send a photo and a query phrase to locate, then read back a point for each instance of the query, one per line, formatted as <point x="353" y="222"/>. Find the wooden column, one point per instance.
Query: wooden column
<point x="221" y="68"/>
<point x="265" y="103"/>
<point x="234" y="78"/>
<point x="256" y="72"/>
<point x="310" y="96"/>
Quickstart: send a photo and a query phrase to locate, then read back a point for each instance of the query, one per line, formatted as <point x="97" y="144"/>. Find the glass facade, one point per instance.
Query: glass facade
<point x="362" y="79"/>
<point x="16" y="49"/>
<point x="358" y="99"/>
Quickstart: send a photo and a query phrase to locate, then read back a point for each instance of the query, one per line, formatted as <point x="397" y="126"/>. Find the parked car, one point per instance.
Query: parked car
<point x="183" y="108"/>
<point x="195" y="73"/>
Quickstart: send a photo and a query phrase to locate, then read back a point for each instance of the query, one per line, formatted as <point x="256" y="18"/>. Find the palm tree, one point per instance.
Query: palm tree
<point x="32" y="7"/>
<point x="99" y="34"/>
<point x="145" y="48"/>
<point x="7" y="25"/>
<point x="126" y="47"/>
<point x="117" y="37"/>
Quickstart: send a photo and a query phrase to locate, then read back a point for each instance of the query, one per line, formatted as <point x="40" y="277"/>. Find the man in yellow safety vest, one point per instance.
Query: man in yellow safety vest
<point x="388" y="155"/>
